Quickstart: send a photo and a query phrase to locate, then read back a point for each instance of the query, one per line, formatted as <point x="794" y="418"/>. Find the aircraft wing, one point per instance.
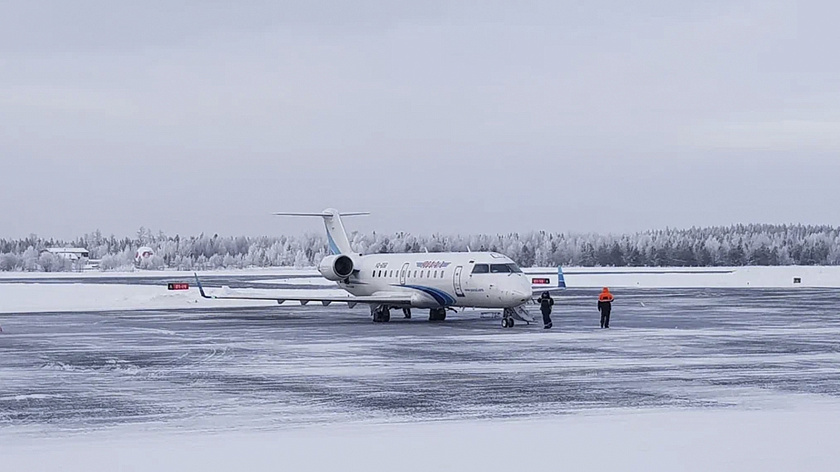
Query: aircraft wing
<point x="537" y="291"/>
<point x="545" y="279"/>
<point x="395" y="299"/>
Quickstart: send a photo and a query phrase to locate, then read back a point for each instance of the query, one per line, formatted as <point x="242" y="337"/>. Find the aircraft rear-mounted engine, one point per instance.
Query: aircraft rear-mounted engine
<point x="336" y="268"/>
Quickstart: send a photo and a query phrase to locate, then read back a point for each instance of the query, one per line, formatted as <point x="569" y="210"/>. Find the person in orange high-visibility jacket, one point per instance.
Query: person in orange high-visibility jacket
<point x="605" y="306"/>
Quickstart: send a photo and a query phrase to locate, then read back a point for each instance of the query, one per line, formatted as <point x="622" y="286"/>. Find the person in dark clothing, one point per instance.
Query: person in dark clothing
<point x="605" y="306"/>
<point x="546" y="302"/>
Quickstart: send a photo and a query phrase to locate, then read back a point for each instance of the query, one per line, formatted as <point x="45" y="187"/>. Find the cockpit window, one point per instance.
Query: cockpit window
<point x="500" y="269"/>
<point x="481" y="269"/>
<point x="505" y="268"/>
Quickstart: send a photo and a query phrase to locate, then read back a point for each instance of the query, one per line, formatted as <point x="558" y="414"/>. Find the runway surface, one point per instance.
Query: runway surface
<point x="263" y="368"/>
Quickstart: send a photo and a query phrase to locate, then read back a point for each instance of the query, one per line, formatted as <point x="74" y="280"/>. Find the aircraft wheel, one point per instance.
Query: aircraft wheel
<point x="381" y="315"/>
<point x="511" y="322"/>
<point x="437" y="314"/>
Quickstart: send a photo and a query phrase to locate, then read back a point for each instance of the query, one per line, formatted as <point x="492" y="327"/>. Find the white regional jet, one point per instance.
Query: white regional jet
<point x="435" y="281"/>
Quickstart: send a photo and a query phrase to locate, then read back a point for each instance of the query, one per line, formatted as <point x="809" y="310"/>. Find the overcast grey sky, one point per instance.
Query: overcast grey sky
<point x="435" y="116"/>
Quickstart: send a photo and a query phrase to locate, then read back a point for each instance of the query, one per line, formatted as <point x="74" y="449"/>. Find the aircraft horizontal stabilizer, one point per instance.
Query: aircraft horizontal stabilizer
<point x="323" y="214"/>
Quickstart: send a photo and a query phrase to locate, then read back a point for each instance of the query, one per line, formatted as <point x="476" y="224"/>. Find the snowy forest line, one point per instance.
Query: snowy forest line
<point x="714" y="246"/>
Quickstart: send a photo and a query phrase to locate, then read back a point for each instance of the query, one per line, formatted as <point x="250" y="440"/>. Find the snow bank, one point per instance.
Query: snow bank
<point x="584" y="277"/>
<point x="703" y="277"/>
<point x="255" y="272"/>
<point x="317" y="281"/>
<point x="35" y="297"/>
<point x="684" y="440"/>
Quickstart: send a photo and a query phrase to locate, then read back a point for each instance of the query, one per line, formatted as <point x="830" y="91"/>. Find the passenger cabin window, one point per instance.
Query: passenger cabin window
<point x="481" y="269"/>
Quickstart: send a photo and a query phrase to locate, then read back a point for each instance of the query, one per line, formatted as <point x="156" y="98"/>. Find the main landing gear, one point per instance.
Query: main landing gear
<point x="437" y="314"/>
<point x="381" y="314"/>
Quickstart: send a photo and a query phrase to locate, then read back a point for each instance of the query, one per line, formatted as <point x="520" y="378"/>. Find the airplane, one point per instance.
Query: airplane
<point x="434" y="281"/>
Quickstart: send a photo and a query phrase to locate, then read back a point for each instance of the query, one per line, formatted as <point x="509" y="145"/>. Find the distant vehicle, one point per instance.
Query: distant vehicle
<point x="142" y="254"/>
<point x="434" y="281"/>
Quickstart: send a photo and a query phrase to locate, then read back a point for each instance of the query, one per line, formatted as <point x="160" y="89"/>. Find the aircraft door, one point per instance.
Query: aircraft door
<point x="403" y="273"/>
<point x="456" y="281"/>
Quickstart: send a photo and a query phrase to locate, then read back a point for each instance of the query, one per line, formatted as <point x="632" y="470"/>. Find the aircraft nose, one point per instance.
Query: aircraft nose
<point x="521" y="292"/>
<point x="518" y="295"/>
<point x="518" y="292"/>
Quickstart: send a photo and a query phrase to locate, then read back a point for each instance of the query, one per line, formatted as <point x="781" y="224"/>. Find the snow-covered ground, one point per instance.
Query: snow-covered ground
<point x="580" y="277"/>
<point x="28" y="298"/>
<point x="276" y="272"/>
<point x="687" y="379"/>
<point x="798" y="438"/>
<point x="315" y="281"/>
<point x="141" y="290"/>
<point x="703" y="277"/>
<point x="35" y="297"/>
<point x="33" y="292"/>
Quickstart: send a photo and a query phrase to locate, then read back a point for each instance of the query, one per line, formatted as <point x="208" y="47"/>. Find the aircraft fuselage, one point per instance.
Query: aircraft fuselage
<point x="435" y="280"/>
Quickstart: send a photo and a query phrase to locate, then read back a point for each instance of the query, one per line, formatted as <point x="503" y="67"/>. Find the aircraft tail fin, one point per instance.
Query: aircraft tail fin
<point x="336" y="234"/>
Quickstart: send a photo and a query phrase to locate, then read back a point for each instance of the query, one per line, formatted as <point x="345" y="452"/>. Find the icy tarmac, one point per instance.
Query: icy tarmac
<point x="285" y="367"/>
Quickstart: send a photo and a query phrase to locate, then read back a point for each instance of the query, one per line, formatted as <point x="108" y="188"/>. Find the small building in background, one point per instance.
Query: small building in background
<point x="70" y="253"/>
<point x="142" y="254"/>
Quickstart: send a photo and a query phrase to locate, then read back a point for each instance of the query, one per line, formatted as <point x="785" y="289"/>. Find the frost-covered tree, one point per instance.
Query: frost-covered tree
<point x="9" y="262"/>
<point x="714" y="246"/>
<point x="30" y="260"/>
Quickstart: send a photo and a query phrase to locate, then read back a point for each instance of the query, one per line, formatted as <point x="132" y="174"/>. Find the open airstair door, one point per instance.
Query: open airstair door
<point x="521" y="314"/>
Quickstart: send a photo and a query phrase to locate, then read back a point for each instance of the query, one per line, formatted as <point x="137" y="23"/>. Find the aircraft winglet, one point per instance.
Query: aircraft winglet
<point x="200" y="288"/>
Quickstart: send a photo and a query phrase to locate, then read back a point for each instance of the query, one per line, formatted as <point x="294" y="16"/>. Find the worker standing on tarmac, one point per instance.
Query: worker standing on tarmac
<point x="546" y="302"/>
<point x="605" y="306"/>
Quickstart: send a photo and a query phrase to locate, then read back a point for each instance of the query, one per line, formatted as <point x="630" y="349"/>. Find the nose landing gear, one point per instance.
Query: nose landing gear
<point x="519" y="313"/>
